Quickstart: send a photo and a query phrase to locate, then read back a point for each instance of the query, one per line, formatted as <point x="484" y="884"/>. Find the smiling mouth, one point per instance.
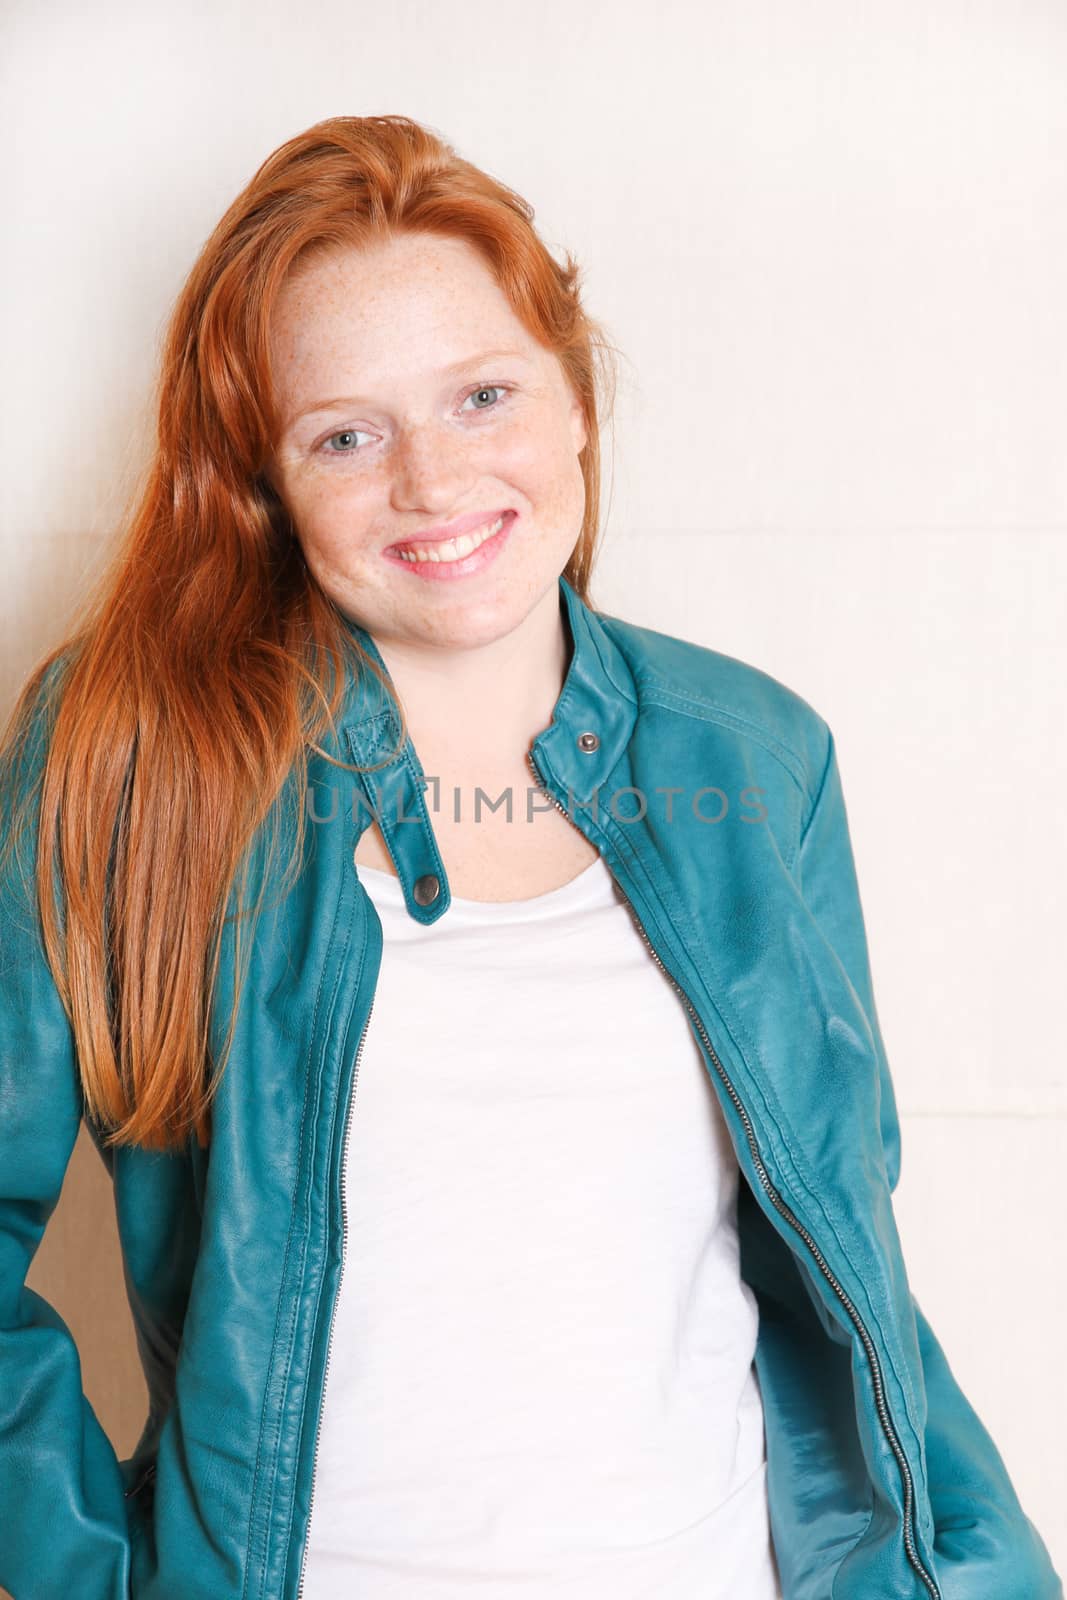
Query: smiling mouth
<point x="446" y="550"/>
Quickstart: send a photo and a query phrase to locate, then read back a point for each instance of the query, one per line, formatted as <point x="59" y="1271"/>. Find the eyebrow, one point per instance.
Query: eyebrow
<point x="444" y="372"/>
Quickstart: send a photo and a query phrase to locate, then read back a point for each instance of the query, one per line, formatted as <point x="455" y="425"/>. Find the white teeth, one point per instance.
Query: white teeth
<point x="450" y="549"/>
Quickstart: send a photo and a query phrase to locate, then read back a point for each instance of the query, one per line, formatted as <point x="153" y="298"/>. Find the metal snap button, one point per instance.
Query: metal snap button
<point x="426" y="889"/>
<point x="588" y="742"/>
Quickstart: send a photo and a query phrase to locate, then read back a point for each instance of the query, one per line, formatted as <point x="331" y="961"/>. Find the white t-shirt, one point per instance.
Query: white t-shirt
<point x="541" y="1381"/>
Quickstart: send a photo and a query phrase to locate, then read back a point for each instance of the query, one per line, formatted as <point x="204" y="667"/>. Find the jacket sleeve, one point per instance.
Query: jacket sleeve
<point x="63" y="1520"/>
<point x="985" y="1547"/>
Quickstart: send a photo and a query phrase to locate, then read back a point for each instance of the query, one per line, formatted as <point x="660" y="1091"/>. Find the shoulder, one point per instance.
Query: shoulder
<point x="23" y="756"/>
<point x="31" y="719"/>
<point x="695" y="681"/>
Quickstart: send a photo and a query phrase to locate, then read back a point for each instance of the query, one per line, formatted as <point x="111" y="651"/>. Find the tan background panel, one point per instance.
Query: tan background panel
<point x="78" y="1269"/>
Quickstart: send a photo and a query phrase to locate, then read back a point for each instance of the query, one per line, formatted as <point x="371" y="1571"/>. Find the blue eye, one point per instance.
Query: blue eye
<point x="486" y="388"/>
<point x="346" y="433"/>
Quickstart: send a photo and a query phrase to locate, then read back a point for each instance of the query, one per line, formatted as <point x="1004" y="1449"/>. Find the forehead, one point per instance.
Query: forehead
<point x="417" y="301"/>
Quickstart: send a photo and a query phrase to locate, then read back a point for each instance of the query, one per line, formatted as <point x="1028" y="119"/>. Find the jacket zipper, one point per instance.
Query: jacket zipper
<point x="780" y="1206"/>
<point x="337" y="1295"/>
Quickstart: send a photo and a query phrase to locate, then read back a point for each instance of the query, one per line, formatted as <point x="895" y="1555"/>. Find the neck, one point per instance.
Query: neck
<point x="478" y="710"/>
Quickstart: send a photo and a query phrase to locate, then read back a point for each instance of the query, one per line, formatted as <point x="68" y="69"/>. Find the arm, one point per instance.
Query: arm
<point x="63" y="1522"/>
<point x="985" y="1546"/>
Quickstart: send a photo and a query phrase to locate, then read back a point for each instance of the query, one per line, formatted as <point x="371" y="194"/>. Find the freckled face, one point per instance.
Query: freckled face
<point x="411" y="396"/>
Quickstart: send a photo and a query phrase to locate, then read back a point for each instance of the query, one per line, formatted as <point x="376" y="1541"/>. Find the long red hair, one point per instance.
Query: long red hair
<point x="147" y="748"/>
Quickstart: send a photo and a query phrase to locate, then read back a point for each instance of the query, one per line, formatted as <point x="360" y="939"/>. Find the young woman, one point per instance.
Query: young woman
<point x="467" y="991"/>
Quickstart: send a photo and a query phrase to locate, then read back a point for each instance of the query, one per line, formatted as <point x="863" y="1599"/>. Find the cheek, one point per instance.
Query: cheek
<point x="561" y="485"/>
<point x="542" y="462"/>
<point x="327" y="510"/>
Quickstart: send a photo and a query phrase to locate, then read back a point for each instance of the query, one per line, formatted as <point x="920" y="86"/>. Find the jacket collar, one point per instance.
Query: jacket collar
<point x="590" y="729"/>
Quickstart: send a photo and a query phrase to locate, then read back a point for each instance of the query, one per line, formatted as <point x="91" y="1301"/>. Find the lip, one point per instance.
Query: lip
<point x="449" y="530"/>
<point x="445" y="571"/>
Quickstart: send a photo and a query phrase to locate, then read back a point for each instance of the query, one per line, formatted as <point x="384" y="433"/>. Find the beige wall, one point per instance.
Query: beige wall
<point x="79" y="1269"/>
<point x="832" y="241"/>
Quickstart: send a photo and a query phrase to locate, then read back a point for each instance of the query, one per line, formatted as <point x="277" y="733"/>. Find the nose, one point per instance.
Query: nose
<point x="431" y="469"/>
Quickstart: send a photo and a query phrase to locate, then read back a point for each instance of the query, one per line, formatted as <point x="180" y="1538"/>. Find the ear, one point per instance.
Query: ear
<point x="578" y="429"/>
<point x="272" y="477"/>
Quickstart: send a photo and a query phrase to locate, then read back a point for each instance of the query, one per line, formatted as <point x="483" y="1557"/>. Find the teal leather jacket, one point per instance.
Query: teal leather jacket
<point x="713" y="794"/>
